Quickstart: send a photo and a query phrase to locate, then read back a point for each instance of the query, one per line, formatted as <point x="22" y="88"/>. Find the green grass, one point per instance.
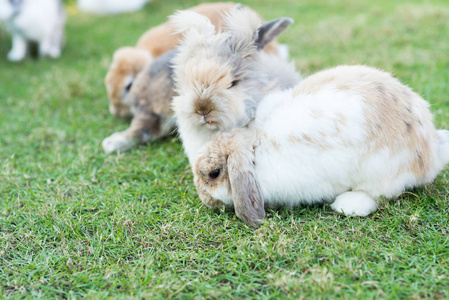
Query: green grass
<point x="75" y="222"/>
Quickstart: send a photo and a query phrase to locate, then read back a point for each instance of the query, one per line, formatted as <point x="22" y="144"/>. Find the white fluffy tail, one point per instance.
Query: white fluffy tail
<point x="443" y="146"/>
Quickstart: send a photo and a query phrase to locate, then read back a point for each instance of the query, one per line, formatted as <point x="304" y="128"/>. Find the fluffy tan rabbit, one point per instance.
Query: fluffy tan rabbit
<point x="127" y="62"/>
<point x="221" y="77"/>
<point x="150" y="106"/>
<point x="147" y="97"/>
<point x="346" y="136"/>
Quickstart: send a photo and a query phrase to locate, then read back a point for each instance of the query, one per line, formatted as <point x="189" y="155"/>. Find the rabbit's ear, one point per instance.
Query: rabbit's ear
<point x="248" y="201"/>
<point x="242" y="24"/>
<point x="271" y="29"/>
<point x="186" y="21"/>
<point x="239" y="6"/>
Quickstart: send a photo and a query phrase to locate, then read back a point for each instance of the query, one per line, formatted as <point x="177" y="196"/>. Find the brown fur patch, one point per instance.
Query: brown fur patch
<point x="309" y="140"/>
<point x="389" y="110"/>
<point x="203" y="106"/>
<point x="275" y="144"/>
<point x="126" y="62"/>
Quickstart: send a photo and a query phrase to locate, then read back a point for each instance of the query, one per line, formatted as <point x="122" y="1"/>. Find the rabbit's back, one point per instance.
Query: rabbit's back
<point x="347" y="128"/>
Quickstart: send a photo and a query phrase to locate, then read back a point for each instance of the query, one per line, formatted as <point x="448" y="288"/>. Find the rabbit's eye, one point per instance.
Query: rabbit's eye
<point x="214" y="174"/>
<point x="128" y="86"/>
<point x="235" y="82"/>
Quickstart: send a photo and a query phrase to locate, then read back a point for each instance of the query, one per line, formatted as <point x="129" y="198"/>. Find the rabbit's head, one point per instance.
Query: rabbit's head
<point x="224" y="172"/>
<point x="220" y="77"/>
<point x="126" y="64"/>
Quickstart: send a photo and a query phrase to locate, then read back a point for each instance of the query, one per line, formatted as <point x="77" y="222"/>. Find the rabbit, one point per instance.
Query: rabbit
<point x="103" y="7"/>
<point x="345" y="135"/>
<point x="127" y="62"/>
<point x="153" y="118"/>
<point x="34" y="21"/>
<point x="146" y="101"/>
<point x="220" y="77"/>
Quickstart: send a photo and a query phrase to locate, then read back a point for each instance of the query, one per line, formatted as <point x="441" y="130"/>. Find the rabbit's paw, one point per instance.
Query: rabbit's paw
<point x="118" y="142"/>
<point x="354" y="204"/>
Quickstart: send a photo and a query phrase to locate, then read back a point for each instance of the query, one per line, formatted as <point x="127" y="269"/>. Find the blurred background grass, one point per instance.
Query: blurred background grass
<point x="75" y="222"/>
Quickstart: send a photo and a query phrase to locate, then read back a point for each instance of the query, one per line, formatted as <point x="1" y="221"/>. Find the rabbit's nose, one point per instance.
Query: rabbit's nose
<point x="204" y="118"/>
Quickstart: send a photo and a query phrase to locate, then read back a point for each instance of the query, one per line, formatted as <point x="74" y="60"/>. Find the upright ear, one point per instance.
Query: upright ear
<point x="242" y="24"/>
<point x="270" y="30"/>
<point x="185" y="21"/>
<point x="248" y="201"/>
<point x="239" y="6"/>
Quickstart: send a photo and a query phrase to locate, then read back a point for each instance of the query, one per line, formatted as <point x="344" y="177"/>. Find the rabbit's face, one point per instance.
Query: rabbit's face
<point x="219" y="76"/>
<point x="209" y="95"/>
<point x="211" y="177"/>
<point x="126" y="65"/>
<point x="224" y="171"/>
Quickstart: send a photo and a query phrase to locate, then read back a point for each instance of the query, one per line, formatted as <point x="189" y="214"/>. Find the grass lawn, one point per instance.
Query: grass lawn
<point x="75" y="222"/>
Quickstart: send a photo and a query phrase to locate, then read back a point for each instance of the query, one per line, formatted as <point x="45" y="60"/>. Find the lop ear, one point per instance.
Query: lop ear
<point x="270" y="30"/>
<point x="248" y="201"/>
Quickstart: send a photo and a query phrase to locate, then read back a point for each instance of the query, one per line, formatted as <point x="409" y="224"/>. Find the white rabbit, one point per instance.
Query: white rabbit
<point x="220" y="77"/>
<point x="347" y="135"/>
<point x="39" y="21"/>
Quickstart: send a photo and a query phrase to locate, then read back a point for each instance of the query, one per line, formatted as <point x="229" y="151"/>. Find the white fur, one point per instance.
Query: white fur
<point x="302" y="178"/>
<point x="354" y="204"/>
<point x="40" y="21"/>
<point x="314" y="147"/>
<point x="291" y="173"/>
<point x="118" y="142"/>
<point x="193" y="23"/>
<point x="283" y="52"/>
<point x="103" y="7"/>
<point x="206" y="57"/>
<point x="221" y="193"/>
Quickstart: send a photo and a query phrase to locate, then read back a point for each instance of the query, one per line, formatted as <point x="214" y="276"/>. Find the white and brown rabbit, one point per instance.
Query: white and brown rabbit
<point x="34" y="21"/>
<point x="221" y="77"/>
<point x="149" y="95"/>
<point x="128" y="62"/>
<point x="346" y="135"/>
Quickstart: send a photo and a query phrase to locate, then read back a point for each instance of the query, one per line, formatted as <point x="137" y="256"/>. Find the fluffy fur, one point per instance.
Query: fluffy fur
<point x="127" y="62"/>
<point x="38" y="21"/>
<point x="145" y="93"/>
<point x="150" y="104"/>
<point x="221" y="77"/>
<point x="347" y="135"/>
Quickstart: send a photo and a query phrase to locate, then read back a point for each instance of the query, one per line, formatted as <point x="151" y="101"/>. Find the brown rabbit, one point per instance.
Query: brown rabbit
<point x="153" y="118"/>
